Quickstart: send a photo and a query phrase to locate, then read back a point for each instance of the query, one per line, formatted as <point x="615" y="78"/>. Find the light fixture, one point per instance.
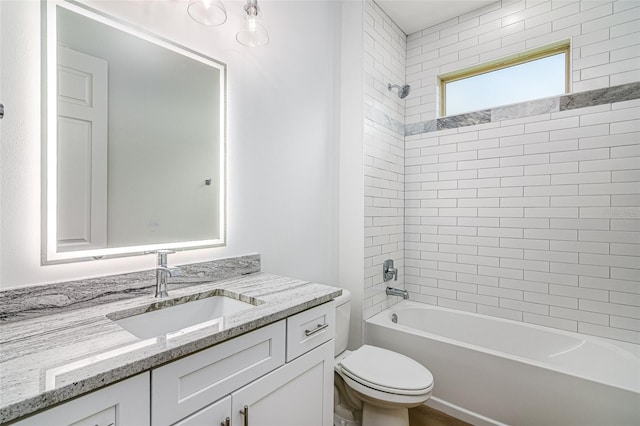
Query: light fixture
<point x="207" y="12"/>
<point x="254" y="33"/>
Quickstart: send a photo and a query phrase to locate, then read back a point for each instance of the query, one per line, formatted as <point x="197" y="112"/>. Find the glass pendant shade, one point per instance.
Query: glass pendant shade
<point x="254" y="34"/>
<point x="207" y="12"/>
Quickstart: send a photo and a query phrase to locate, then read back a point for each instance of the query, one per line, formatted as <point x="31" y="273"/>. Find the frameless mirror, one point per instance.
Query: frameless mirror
<point x="134" y="140"/>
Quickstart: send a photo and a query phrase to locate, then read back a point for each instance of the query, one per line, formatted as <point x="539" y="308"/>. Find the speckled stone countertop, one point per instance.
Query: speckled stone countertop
<point x="49" y="359"/>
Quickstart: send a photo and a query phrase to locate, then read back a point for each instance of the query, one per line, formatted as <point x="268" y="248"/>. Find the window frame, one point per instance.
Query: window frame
<point x="509" y="61"/>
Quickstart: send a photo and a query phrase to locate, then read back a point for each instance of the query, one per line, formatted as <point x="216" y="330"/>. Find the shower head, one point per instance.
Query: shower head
<point x="403" y="91"/>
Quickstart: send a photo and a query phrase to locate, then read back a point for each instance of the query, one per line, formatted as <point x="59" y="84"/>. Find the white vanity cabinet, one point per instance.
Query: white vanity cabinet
<point x="248" y="381"/>
<point x="122" y="404"/>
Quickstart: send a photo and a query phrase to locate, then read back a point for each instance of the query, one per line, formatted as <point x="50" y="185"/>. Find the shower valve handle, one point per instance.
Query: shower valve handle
<point x="389" y="271"/>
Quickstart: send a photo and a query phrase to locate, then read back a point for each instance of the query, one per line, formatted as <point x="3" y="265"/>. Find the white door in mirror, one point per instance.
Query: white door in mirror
<point x="82" y="151"/>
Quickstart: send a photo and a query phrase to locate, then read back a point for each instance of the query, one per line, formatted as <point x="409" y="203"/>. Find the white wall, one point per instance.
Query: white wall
<point x="282" y="138"/>
<point x="536" y="218"/>
<point x="351" y="174"/>
<point x="1" y="125"/>
<point x="384" y="63"/>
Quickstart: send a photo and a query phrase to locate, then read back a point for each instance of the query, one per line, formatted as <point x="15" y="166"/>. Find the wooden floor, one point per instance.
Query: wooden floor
<point x="427" y="416"/>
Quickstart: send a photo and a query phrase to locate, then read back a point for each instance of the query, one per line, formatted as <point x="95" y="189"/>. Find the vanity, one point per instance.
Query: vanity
<point x="229" y="345"/>
<point x="269" y="364"/>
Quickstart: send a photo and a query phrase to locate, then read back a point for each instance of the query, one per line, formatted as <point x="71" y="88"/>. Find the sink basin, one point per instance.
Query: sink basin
<point x="182" y="318"/>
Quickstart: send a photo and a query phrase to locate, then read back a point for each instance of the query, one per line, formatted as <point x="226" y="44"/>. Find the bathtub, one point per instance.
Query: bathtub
<point x="494" y="371"/>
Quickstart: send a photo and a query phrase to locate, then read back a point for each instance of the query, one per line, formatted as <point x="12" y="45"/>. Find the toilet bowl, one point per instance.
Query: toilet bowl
<point x="385" y="383"/>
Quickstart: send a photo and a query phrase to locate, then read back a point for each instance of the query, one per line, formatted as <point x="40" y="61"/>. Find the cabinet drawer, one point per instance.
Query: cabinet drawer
<point x="310" y="329"/>
<point x="191" y="383"/>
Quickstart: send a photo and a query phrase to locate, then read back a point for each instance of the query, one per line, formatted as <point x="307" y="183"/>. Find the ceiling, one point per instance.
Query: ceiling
<point x="416" y="15"/>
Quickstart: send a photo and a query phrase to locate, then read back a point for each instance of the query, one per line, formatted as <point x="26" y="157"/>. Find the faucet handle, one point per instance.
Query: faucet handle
<point x="171" y="271"/>
<point x="162" y="255"/>
<point x="160" y="251"/>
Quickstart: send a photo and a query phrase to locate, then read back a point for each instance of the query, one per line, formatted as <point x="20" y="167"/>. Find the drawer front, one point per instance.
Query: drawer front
<point x="189" y="384"/>
<point x="310" y="329"/>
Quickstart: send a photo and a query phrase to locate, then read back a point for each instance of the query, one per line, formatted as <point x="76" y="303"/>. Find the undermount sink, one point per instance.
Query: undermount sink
<point x="182" y="318"/>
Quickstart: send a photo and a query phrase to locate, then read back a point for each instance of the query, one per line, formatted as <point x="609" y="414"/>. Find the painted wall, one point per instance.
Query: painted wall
<point x="282" y="138"/>
<point x="351" y="173"/>
<point x="534" y="219"/>
<point x="383" y="153"/>
<point x="1" y="123"/>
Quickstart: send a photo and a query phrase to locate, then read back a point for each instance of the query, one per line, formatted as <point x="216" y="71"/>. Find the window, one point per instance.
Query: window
<point x="531" y="75"/>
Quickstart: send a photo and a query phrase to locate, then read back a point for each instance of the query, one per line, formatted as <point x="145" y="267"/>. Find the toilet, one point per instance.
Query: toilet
<point x="383" y="383"/>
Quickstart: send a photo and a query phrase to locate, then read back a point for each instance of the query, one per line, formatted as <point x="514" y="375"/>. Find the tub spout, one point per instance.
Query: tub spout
<point x="397" y="292"/>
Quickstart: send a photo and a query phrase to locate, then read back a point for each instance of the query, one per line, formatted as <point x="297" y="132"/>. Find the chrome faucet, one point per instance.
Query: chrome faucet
<point x="397" y="292"/>
<point x="163" y="272"/>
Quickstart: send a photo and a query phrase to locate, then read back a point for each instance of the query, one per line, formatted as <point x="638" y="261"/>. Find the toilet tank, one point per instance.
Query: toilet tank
<point x="343" y="313"/>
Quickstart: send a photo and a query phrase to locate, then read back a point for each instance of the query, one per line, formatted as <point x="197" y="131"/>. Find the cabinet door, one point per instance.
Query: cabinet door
<point x="299" y="393"/>
<point x="214" y="415"/>
<point x="122" y="404"/>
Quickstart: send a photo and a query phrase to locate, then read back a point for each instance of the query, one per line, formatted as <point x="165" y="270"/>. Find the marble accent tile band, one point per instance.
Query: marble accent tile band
<point x="526" y="109"/>
<point x="607" y="95"/>
<point x="36" y="301"/>
<point x="384" y="120"/>
<point x="625" y="92"/>
<point x="462" y="120"/>
<point x="421" y="127"/>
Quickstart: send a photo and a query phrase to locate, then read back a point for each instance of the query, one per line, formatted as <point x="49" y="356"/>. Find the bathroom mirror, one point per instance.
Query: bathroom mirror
<point x="133" y="140"/>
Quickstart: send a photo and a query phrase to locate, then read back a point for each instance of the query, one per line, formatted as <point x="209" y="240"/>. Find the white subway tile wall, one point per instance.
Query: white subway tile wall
<point x="535" y="219"/>
<point x="385" y="48"/>
<point x="604" y="45"/>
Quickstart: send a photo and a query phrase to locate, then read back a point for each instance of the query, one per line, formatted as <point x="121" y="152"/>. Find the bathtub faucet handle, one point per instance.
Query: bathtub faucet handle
<point x="389" y="271"/>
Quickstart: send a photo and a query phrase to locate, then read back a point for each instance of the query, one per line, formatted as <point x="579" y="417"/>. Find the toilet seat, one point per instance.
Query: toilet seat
<point x="384" y="383"/>
<point x="371" y="369"/>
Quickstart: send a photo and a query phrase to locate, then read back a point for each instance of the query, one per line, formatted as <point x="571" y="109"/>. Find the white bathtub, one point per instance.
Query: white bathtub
<point x="491" y="371"/>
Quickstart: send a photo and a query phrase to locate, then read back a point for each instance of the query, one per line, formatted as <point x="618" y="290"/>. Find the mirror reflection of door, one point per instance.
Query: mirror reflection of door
<point x="82" y="150"/>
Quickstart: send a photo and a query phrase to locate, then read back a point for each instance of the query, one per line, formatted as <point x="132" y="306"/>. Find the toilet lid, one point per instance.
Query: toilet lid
<point x="386" y="370"/>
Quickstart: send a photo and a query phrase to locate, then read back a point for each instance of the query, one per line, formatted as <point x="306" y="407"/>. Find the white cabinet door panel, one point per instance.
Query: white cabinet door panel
<point x="125" y="403"/>
<point x="214" y="415"/>
<point x="298" y="394"/>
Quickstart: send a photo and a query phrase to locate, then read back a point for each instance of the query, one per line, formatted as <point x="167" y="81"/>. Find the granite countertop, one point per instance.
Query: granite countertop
<point x="52" y="358"/>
